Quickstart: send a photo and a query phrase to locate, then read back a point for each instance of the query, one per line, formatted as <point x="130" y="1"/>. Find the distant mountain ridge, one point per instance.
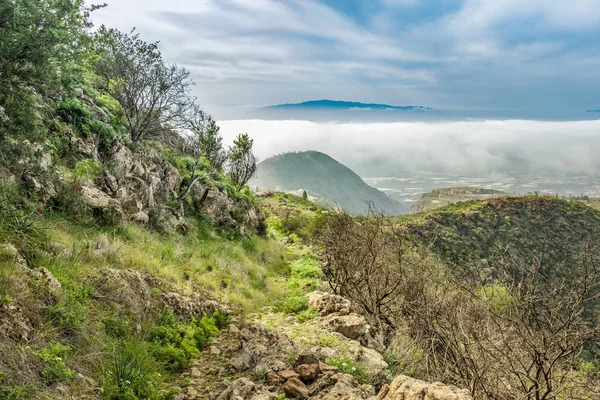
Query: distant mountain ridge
<point x="322" y="177"/>
<point x="345" y="105"/>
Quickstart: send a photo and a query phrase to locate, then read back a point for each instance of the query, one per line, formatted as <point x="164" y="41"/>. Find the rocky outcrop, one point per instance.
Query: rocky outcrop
<point x="13" y="324"/>
<point x="406" y="388"/>
<point x="133" y="290"/>
<point x="339" y="314"/>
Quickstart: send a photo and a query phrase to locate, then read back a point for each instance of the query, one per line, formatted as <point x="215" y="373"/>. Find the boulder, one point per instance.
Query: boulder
<point x="9" y="253"/>
<point x="353" y="326"/>
<point x="307" y="372"/>
<point x="295" y="389"/>
<point x="406" y="388"/>
<point x="87" y="148"/>
<point x="337" y="386"/>
<point x="326" y="303"/>
<point x="96" y="198"/>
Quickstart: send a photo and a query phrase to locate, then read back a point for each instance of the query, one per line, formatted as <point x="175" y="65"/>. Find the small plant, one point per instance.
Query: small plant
<point x="307" y="315"/>
<point x="133" y="373"/>
<point x="53" y="357"/>
<point x="73" y="112"/>
<point x="292" y="304"/>
<point x="347" y="366"/>
<point x="86" y="170"/>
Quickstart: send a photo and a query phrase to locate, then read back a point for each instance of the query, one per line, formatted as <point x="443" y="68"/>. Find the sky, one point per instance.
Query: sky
<point x="540" y="57"/>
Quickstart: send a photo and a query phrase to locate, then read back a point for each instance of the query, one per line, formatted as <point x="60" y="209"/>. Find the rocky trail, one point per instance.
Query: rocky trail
<point x="257" y="358"/>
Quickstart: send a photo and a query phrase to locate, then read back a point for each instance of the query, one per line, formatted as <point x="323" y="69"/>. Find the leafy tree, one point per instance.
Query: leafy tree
<point x="153" y="94"/>
<point x="207" y="140"/>
<point x="40" y="40"/>
<point x="242" y="161"/>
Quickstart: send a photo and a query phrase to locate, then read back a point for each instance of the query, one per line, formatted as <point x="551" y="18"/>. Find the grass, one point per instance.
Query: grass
<point x="132" y="351"/>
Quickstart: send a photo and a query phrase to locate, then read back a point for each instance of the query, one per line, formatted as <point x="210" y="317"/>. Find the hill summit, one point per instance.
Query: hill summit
<point x="323" y="177"/>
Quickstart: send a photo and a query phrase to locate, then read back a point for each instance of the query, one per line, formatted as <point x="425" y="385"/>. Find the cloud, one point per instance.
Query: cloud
<point x="458" y="147"/>
<point x="540" y="54"/>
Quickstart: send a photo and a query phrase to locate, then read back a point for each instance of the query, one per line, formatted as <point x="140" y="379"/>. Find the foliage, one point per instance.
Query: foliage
<point x="347" y="366"/>
<point x="242" y="161"/>
<point x="133" y="373"/>
<point x="54" y="359"/>
<point x="177" y="343"/>
<point x="206" y="139"/>
<point x="292" y="304"/>
<point x="73" y="112"/>
<point x="153" y="94"/>
<point x="85" y="170"/>
<point x="40" y="41"/>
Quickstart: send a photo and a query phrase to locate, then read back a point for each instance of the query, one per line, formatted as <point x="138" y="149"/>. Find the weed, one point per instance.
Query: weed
<point x="53" y="357"/>
<point x="347" y="366"/>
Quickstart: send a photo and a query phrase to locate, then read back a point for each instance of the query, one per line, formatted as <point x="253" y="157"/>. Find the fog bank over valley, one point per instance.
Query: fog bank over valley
<point x="408" y="158"/>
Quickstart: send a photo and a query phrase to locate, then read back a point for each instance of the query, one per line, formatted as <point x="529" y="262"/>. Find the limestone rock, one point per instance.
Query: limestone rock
<point x="13" y="324"/>
<point x="307" y="372"/>
<point x="87" y="148"/>
<point x="353" y="326"/>
<point x="406" y="388"/>
<point x="295" y="389"/>
<point x="242" y="388"/>
<point x="46" y="284"/>
<point x="344" y="386"/>
<point x="326" y="303"/>
<point x="9" y="253"/>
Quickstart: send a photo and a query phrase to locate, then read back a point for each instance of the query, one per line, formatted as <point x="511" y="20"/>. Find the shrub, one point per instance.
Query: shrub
<point x="73" y="112"/>
<point x="106" y="133"/>
<point x="133" y="373"/>
<point x="53" y="357"/>
<point x="292" y="304"/>
<point x="307" y="315"/>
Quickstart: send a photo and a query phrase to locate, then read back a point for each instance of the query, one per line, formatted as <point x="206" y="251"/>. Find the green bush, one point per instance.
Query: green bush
<point x="73" y="112"/>
<point x="177" y="343"/>
<point x="133" y="373"/>
<point x="69" y="314"/>
<point x="307" y="315"/>
<point x="53" y="357"/>
<point x="106" y="133"/>
<point x="292" y="304"/>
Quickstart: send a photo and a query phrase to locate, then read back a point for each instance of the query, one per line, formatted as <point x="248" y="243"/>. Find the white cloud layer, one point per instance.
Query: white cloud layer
<point x="457" y="147"/>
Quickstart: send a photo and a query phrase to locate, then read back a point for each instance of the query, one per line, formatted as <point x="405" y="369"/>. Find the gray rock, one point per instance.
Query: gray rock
<point x="406" y="388"/>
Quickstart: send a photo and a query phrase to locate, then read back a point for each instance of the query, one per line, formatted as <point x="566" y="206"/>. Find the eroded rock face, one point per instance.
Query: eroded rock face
<point x="133" y="290"/>
<point x="406" y="388"/>
<point x="13" y="324"/>
<point x="261" y="349"/>
<point x="326" y="303"/>
<point x="47" y="286"/>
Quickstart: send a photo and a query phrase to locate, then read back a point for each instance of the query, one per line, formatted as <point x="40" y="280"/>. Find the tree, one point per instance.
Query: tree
<point x="242" y="161"/>
<point x="153" y="94"/>
<point x="40" y="41"/>
<point x="368" y="263"/>
<point x="206" y="139"/>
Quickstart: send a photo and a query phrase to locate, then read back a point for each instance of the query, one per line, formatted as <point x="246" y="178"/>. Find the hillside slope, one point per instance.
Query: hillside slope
<point x="442" y="197"/>
<point x="324" y="177"/>
<point x="525" y="228"/>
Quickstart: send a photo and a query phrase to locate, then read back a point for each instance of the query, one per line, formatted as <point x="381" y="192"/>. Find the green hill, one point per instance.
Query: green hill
<point x="322" y="177"/>
<point x="549" y="229"/>
<point x="442" y="197"/>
